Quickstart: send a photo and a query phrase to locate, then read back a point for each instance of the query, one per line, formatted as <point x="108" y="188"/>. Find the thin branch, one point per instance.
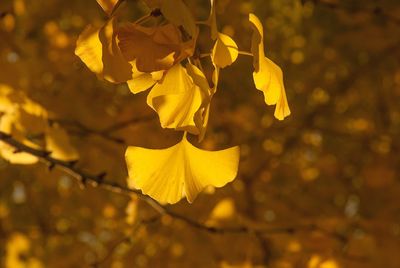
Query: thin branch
<point x="103" y="133"/>
<point x="117" y="5"/>
<point x="85" y="179"/>
<point x="244" y="53"/>
<point x="127" y="123"/>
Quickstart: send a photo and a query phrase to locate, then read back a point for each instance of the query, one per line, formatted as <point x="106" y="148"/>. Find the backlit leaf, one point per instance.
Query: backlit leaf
<point x="142" y="81"/>
<point x="98" y="49"/>
<point x="153" y="48"/>
<point x="8" y="152"/>
<point x="225" y="51"/>
<point x="267" y="75"/>
<point x="176" y="99"/>
<point x="202" y="114"/>
<point x="181" y="170"/>
<point x="179" y="14"/>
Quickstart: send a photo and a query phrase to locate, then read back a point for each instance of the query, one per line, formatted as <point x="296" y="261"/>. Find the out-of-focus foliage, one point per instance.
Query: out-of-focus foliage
<point x="333" y="164"/>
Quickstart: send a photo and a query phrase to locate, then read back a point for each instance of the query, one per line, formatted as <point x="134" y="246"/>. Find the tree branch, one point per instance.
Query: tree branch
<point x="85" y="178"/>
<point x="105" y="133"/>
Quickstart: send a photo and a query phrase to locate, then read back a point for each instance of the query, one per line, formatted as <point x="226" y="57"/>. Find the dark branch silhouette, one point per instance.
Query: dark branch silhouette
<point x="100" y="180"/>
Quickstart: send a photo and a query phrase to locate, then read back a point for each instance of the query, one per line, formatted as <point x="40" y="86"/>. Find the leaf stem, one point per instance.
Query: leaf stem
<point x="202" y="23"/>
<point x="116" y="7"/>
<point x="245" y="53"/>
<point x="143" y="19"/>
<point x="241" y="52"/>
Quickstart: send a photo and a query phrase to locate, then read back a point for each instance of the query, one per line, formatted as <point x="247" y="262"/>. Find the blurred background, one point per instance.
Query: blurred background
<point x="333" y="164"/>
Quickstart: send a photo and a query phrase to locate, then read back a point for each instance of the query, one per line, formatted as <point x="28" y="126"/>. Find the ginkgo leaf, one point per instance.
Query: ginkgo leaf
<point x="89" y="49"/>
<point x="225" y="51"/>
<point x="181" y="170"/>
<point x="176" y="99"/>
<point x="179" y="14"/>
<point x="267" y="75"/>
<point x="59" y="144"/>
<point x="202" y="114"/>
<point x="198" y="78"/>
<point x="98" y="49"/>
<point x="142" y="81"/>
<point x="153" y="48"/>
<point x="212" y="20"/>
<point x="108" y="5"/>
<point x="270" y="81"/>
<point x="7" y="152"/>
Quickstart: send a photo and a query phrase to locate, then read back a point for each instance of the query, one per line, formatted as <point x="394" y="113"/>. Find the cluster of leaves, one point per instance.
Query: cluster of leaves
<point x="320" y="189"/>
<point x="159" y="52"/>
<point x="30" y="123"/>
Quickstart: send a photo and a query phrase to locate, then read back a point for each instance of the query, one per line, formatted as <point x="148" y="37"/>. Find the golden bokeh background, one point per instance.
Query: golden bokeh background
<point x="333" y="165"/>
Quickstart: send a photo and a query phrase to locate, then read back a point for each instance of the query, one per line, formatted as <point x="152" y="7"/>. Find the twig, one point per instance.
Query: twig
<point x="85" y="179"/>
<point x="244" y="53"/>
<point x="126" y="123"/>
<point x="117" y="5"/>
<point x="103" y="133"/>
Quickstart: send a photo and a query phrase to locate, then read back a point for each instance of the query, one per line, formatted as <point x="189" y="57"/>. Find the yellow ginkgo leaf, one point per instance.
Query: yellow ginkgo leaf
<point x="179" y="14"/>
<point x="89" y="49"/>
<point x="108" y="5"/>
<point x="98" y="49"/>
<point x="267" y="75"/>
<point x="176" y="99"/>
<point x="59" y="144"/>
<point x="142" y="81"/>
<point x="181" y="170"/>
<point x="202" y="114"/>
<point x="270" y="81"/>
<point x="225" y="51"/>
<point x="7" y="152"/>
<point x="153" y="48"/>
